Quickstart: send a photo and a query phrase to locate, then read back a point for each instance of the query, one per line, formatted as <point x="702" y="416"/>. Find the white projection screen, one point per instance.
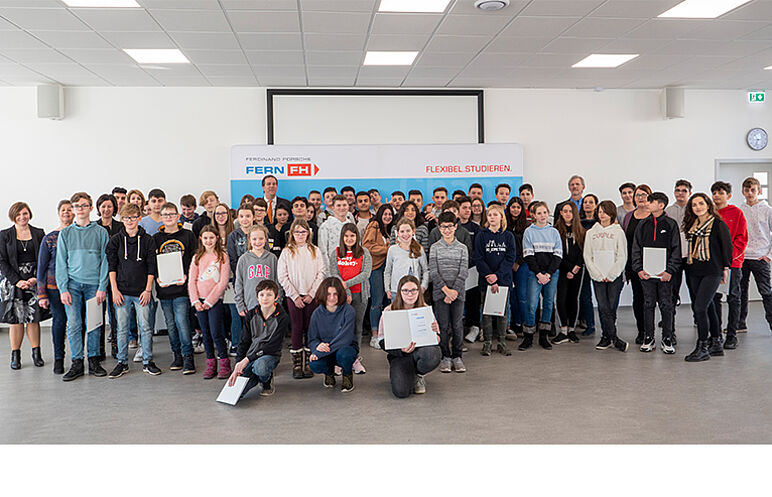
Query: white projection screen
<point x="313" y="117"/>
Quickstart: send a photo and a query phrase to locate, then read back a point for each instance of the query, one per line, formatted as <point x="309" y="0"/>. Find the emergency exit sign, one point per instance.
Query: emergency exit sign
<point x="756" y="96"/>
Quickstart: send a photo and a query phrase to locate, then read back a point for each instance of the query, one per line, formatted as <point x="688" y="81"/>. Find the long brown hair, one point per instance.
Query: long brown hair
<point x="576" y="225"/>
<point x="201" y="250"/>
<point x="415" y="247"/>
<point x="690" y="217"/>
<point x="398" y="304"/>
<point x="356" y="250"/>
<point x="292" y="245"/>
<point x="228" y="223"/>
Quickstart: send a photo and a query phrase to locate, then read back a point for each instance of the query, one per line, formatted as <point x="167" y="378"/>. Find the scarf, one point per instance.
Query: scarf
<point x="699" y="245"/>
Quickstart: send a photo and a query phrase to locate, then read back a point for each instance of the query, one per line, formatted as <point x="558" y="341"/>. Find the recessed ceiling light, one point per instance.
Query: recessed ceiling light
<point x="102" y="3"/>
<point x="605" y="60"/>
<point x="768" y="68"/>
<point x="491" y="5"/>
<point x="157" y="56"/>
<point x="413" y="5"/>
<point x="702" y="9"/>
<point x="389" y="58"/>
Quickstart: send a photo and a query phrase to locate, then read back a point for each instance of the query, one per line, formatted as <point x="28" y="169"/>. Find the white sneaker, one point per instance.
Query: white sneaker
<point x="474" y="331"/>
<point x="374" y="342"/>
<point x="138" y="355"/>
<point x="199" y="348"/>
<point x="338" y="371"/>
<point x="458" y="365"/>
<point x="359" y="368"/>
<point x="420" y="384"/>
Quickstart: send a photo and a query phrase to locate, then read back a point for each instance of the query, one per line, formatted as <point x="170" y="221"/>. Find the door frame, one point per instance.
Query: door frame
<point x="719" y="162"/>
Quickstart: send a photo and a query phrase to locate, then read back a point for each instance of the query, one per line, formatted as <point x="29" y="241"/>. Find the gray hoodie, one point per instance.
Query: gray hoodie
<point x="251" y="270"/>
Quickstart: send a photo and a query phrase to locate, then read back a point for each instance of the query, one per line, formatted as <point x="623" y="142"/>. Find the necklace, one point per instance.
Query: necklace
<point x="24" y="244"/>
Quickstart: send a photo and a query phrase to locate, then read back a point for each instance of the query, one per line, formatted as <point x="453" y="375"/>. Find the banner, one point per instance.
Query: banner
<point x="389" y="168"/>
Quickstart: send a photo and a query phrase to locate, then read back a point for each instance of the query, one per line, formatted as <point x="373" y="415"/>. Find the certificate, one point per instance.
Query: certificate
<point x="654" y="260"/>
<point x="496" y="303"/>
<point x="229" y="297"/>
<point x="413" y="325"/>
<point x="604" y="259"/>
<point x="170" y="268"/>
<point x="231" y="395"/>
<point x="473" y="280"/>
<point x="93" y="315"/>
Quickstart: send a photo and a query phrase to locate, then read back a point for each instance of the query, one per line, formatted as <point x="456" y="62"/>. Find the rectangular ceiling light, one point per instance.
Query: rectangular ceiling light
<point x="605" y="60"/>
<point x="389" y="58"/>
<point x="702" y="9"/>
<point x="157" y="56"/>
<point x="103" y="3"/>
<point x="413" y="5"/>
<point x="768" y="68"/>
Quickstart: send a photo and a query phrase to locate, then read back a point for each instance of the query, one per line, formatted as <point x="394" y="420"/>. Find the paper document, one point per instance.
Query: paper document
<point x="496" y="303"/>
<point x="170" y="268"/>
<point x="231" y="395"/>
<point x="604" y="259"/>
<point x="413" y="325"/>
<point x="684" y="246"/>
<point x="93" y="314"/>
<point x="229" y="297"/>
<point x="473" y="280"/>
<point x="188" y="226"/>
<point x="654" y="260"/>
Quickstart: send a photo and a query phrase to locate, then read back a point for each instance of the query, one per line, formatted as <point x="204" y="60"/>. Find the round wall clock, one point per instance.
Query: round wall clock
<point x="757" y="138"/>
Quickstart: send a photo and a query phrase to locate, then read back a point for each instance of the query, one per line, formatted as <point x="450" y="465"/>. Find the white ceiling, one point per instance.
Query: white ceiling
<point x="322" y="43"/>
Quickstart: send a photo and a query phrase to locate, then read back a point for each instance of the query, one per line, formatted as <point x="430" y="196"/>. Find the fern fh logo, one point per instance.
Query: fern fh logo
<point x="306" y="169"/>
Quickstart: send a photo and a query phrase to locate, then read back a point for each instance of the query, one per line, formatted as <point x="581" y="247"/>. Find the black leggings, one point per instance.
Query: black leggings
<point x="567" y="300"/>
<point x="638" y="299"/>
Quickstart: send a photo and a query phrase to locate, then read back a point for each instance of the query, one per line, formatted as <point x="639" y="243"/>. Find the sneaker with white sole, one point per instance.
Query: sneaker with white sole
<point x="667" y="346"/>
<point x="445" y="365"/>
<point x="359" y="368"/>
<point x="138" y="355"/>
<point x="458" y="365"/>
<point x="374" y="342"/>
<point x="420" y="384"/>
<point x="338" y="371"/>
<point x="474" y="332"/>
<point x="151" y="369"/>
<point x="648" y="344"/>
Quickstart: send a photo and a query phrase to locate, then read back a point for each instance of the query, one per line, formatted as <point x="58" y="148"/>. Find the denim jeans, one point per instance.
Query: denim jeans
<point x="211" y="330"/>
<point x="236" y="325"/>
<point x="177" y="323"/>
<point x="658" y="292"/>
<point x="262" y="368"/>
<point x="403" y="368"/>
<point x="377" y="296"/>
<point x="760" y="271"/>
<point x="704" y="288"/>
<point x="343" y="357"/>
<point x="360" y="307"/>
<point x="123" y="314"/>
<point x="547" y="292"/>
<point x="607" y="294"/>
<point x="80" y="293"/>
<point x="519" y="295"/>
<point x="449" y="319"/>
<point x="58" y="322"/>
<point x="733" y="301"/>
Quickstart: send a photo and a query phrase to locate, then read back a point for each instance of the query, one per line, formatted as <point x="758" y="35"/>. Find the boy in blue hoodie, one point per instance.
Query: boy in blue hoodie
<point x="331" y="335"/>
<point x="81" y="274"/>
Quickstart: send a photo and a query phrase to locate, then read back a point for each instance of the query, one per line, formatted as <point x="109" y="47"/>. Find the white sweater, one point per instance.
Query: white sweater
<point x="300" y="274"/>
<point x="759" y="219"/>
<point x="611" y="238"/>
<point x="329" y="239"/>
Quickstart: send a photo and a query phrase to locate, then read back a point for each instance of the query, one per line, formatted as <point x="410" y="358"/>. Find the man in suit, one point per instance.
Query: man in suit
<point x="270" y="186"/>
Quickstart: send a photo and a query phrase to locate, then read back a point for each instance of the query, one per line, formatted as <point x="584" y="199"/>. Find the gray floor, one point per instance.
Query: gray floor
<point x="572" y="394"/>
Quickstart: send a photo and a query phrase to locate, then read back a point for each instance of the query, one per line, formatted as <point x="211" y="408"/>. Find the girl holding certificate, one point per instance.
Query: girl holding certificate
<point x="409" y="366"/>
<point x="571" y="276"/>
<point x="605" y="256"/>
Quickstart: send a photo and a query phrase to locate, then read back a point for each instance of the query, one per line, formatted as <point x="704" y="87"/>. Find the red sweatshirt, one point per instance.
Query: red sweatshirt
<point x="738" y="228"/>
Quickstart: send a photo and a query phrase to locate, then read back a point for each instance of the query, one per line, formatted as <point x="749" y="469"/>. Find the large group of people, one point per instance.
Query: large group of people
<point x="323" y="269"/>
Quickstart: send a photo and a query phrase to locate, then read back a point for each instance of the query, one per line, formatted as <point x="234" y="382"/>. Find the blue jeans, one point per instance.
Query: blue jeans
<point x="58" y="322"/>
<point x="76" y="312"/>
<point x="211" y="330"/>
<point x="262" y="368"/>
<point x="547" y="292"/>
<point x="343" y="357"/>
<point x="377" y="295"/>
<point x="178" y="324"/>
<point x="518" y="296"/>
<point x="123" y="315"/>
<point x="235" y="325"/>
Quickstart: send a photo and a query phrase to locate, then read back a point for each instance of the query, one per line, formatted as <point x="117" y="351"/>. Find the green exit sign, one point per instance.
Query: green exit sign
<point x="756" y="96"/>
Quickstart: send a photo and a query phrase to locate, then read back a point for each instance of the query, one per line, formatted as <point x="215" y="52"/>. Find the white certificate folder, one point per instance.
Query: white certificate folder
<point x="496" y="303"/>
<point x="413" y="325"/>
<point x="170" y="268"/>
<point x="654" y="260"/>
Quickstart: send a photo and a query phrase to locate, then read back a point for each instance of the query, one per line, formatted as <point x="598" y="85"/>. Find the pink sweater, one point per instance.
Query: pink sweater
<point x="208" y="279"/>
<point x="302" y="273"/>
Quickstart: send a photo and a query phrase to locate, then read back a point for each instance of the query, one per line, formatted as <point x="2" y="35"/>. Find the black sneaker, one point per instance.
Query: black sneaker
<point x="648" y="344"/>
<point x="268" y="388"/>
<point x="76" y="370"/>
<point x="667" y="346"/>
<point x="94" y="368"/>
<point x="731" y="342"/>
<point x="742" y="328"/>
<point x="119" y="370"/>
<point x="151" y="369"/>
<point x="177" y="362"/>
<point x="329" y="380"/>
<point x="572" y="337"/>
<point x="620" y="345"/>
<point x="639" y="338"/>
<point x="348" y="383"/>
<point x="605" y="343"/>
<point x="560" y="338"/>
<point x="188" y="365"/>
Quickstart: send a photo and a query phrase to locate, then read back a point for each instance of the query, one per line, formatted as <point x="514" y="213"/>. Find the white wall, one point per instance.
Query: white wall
<point x="178" y="139"/>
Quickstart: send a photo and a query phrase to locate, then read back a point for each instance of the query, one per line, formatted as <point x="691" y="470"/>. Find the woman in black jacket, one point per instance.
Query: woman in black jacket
<point x="517" y="222"/>
<point x="707" y="266"/>
<point x="571" y="276"/>
<point x="19" y="246"/>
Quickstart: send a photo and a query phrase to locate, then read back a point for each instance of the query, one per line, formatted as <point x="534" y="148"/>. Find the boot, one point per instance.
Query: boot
<point x="297" y="364"/>
<point x="177" y="362"/>
<point x="544" y="329"/>
<point x="527" y="342"/>
<point x="502" y="349"/>
<point x="307" y="373"/>
<point x="211" y="369"/>
<point x="76" y="370"/>
<point x="188" y="365"/>
<point x="731" y="342"/>
<point x="700" y="352"/>
<point x="224" y="370"/>
<point x="16" y="359"/>
<point x="94" y="368"/>
<point x="37" y="359"/>
<point x="58" y="366"/>
<point x="486" y="349"/>
<point x="716" y="347"/>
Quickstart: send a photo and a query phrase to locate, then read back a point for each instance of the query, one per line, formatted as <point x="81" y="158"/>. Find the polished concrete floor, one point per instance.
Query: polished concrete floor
<point x="572" y="394"/>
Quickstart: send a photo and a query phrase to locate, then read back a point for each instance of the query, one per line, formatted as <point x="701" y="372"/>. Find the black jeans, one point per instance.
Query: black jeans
<point x="472" y="307"/>
<point x="403" y="368"/>
<point x="567" y="300"/>
<point x="449" y="318"/>
<point x="607" y="295"/>
<point x="703" y="290"/>
<point x="760" y="271"/>
<point x="635" y="283"/>
<point x="733" y="301"/>
<point x="660" y="292"/>
<point x="676" y="280"/>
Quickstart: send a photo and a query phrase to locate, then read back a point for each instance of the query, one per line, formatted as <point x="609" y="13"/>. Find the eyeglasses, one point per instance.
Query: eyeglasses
<point x="300" y="232"/>
<point x="81" y="206"/>
<point x="409" y="291"/>
<point x="169" y="214"/>
<point x="643" y="194"/>
<point x="447" y="227"/>
<point x="220" y="213"/>
<point x="132" y="218"/>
